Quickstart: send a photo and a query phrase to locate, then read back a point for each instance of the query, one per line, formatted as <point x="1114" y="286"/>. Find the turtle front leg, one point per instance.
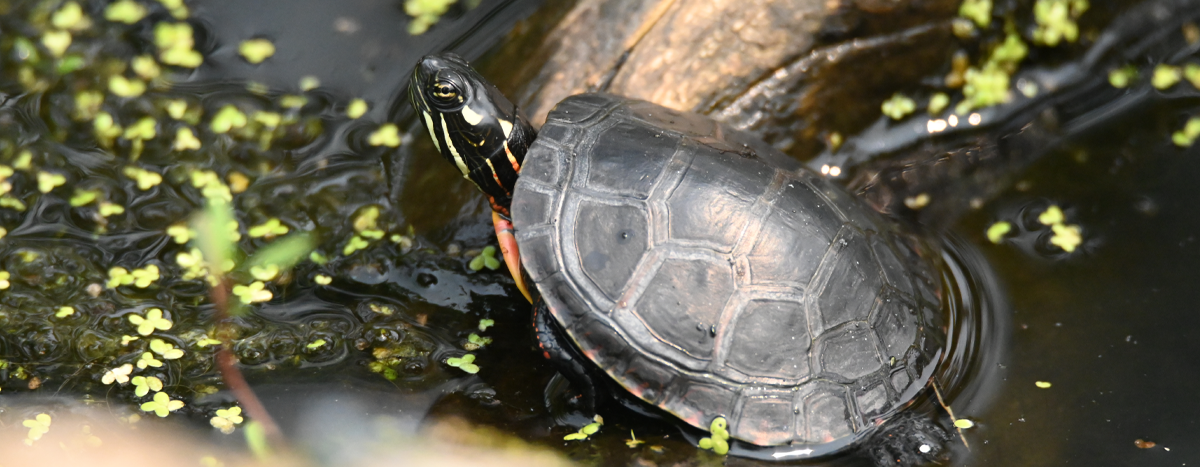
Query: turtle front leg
<point x="508" y="248"/>
<point x="556" y="347"/>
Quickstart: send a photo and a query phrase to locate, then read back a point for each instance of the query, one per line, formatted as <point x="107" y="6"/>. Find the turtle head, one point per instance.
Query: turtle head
<point x="472" y="124"/>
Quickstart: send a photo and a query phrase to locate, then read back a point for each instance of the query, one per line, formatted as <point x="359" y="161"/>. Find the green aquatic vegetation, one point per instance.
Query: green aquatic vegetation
<point x="387" y="135"/>
<point x="83" y="197"/>
<point x="255" y="292"/>
<point x="486" y="258"/>
<point x="269" y="229"/>
<point x="979" y="11"/>
<point x="175" y="42"/>
<point x="4" y="283"/>
<point x="265" y="273"/>
<point x="1067" y="237"/>
<point x="256" y="50"/>
<point x="486" y="323"/>
<point x="142" y="385"/>
<point x="153" y="320"/>
<point x="145" y="179"/>
<point x="64" y="312"/>
<point x="147" y="360"/>
<point x="126" y="87"/>
<point x="938" y="102"/>
<point x="357" y="108"/>
<point x="354" y="244"/>
<point x="119" y="375"/>
<point x="1165" y="76"/>
<point x="178" y="9"/>
<point x="162" y="404"/>
<point x="228" y="118"/>
<point x="1056" y="20"/>
<point x="207" y="341"/>
<point x="69" y="16"/>
<point x="125" y="11"/>
<point x="165" y="349"/>
<point x="963" y="424"/>
<point x="1052" y="215"/>
<point x="1186" y="136"/>
<point x="322" y="279"/>
<point x="106" y="128"/>
<point x="227" y="419"/>
<point x="898" y="106"/>
<point x="56" y="42"/>
<point x="38" y="426"/>
<point x="425" y="13"/>
<point x="464" y="363"/>
<point x="126" y="339"/>
<point x="1122" y="77"/>
<point x="107" y="209"/>
<point x="146" y="67"/>
<point x="586" y="430"/>
<point x="719" y="441"/>
<point x="997" y="231"/>
<point x="48" y="181"/>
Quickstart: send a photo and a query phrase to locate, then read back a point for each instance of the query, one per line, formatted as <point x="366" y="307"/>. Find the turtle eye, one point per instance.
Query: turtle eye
<point x="445" y="91"/>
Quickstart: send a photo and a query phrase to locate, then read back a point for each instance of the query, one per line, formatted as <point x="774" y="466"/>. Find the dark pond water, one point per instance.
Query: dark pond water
<point x="1112" y="327"/>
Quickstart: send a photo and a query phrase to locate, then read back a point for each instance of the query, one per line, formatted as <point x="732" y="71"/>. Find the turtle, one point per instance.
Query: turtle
<point x="692" y="268"/>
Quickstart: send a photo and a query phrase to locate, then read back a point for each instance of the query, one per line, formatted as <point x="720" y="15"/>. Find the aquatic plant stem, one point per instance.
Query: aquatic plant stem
<point x="227" y="365"/>
<point x="933" y="382"/>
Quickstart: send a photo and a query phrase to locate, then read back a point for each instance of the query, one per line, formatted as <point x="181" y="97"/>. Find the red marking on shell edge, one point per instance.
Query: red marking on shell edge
<point x="546" y="354"/>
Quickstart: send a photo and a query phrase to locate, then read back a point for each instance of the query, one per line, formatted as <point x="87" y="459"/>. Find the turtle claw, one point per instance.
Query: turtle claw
<point x="508" y="248"/>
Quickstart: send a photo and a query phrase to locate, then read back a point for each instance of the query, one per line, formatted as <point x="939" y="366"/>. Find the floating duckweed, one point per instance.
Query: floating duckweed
<point x="64" y="312"/>
<point x="1009" y="53"/>
<point x="979" y="11"/>
<point x="387" y="135"/>
<point x="1165" y="76"/>
<point x="226" y="419"/>
<point x="382" y="309"/>
<point x="185" y="140"/>
<point x="126" y="339"/>
<point x="143" y="277"/>
<point x="177" y="8"/>
<point x="475" y="341"/>
<point x="1056" y="20"/>
<point x="238" y="182"/>
<point x="126" y="87"/>
<point x="118" y="375"/>
<point x="322" y="279"/>
<point x="486" y="258"/>
<point x="56" y="42"/>
<point x="228" y="118"/>
<point x="315" y="344"/>
<point x="256" y="50"/>
<point x="366" y="218"/>
<point x="719" y="441"/>
<point x="633" y="442"/>
<point x="1186" y="136"/>
<point x="119" y="276"/>
<point x="253" y="293"/>
<point x="107" y="209"/>
<point x="586" y="430"/>
<point x="211" y="187"/>
<point x="145" y="179"/>
<point x="47" y="181"/>
<point x="24" y="160"/>
<point x="265" y="273"/>
<point x="898" y="106"/>
<point x="38" y="426"/>
<point x="147" y="360"/>
<point x="356" y="243"/>
<point x="207" y="341"/>
<point x="83" y="197"/>
<point x="125" y="11"/>
<point x="983" y="88"/>
<point x="1052" y="215"/>
<point x="146" y="67"/>
<point x="1191" y="72"/>
<point x="464" y="363"/>
<point x="309" y="82"/>
<point x="938" y="102"/>
<point x="177" y="108"/>
<point x="356" y="109"/>
<point x="162" y="405"/>
<point x="318" y="258"/>
<point x="292" y="101"/>
<point x="142" y="385"/>
<point x="963" y="424"/>
<point x="269" y="229"/>
<point x="165" y="349"/>
<point x="87" y="104"/>
<point x="180" y="233"/>
<point x="917" y="202"/>
<point x="1042" y="384"/>
<point x="4" y="276"/>
<point x="1067" y="237"/>
<point x="486" y="323"/>
<point x="106" y="128"/>
<point x="425" y="13"/>
<point x="153" y="320"/>
<point x="143" y="129"/>
<point x="175" y="42"/>
<point x="69" y="16"/>
<point x="997" y="231"/>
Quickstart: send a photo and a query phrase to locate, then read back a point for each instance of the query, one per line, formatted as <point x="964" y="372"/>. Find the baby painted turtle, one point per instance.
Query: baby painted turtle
<point x="703" y="271"/>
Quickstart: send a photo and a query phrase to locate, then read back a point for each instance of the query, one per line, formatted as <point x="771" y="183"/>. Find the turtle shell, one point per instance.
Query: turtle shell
<point x="710" y="275"/>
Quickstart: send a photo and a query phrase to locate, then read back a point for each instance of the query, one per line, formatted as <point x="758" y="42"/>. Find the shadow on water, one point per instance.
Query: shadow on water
<point x="1111" y="327"/>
